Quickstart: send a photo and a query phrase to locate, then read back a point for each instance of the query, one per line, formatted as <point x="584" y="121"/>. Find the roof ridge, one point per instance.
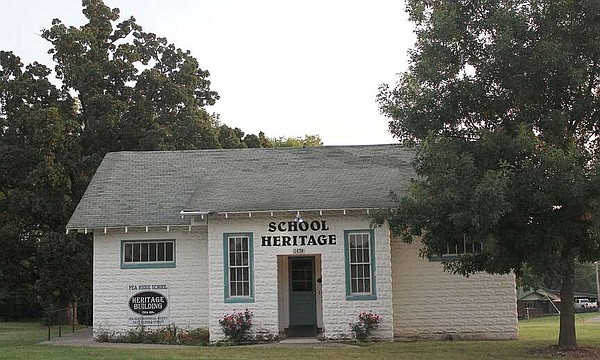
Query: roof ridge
<point x="280" y="148"/>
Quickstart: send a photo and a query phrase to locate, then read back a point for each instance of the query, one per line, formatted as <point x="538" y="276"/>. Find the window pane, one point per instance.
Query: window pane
<point x="362" y="241"/>
<point x="232" y="289"/>
<point x="152" y="256"/>
<point x="128" y="252"/>
<point x="161" y="252"/>
<point x="302" y="286"/>
<point x="136" y="252"/>
<point x="144" y="252"/>
<point x="169" y="252"/>
<point x="366" y="256"/>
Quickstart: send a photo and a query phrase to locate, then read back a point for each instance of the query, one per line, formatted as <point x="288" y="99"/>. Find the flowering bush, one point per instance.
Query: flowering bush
<point x="236" y="326"/>
<point x="364" y="327"/>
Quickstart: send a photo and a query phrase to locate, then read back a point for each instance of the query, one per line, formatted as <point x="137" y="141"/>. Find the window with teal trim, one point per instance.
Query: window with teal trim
<point x="139" y="254"/>
<point x="454" y="251"/>
<point x="360" y="265"/>
<point x="238" y="267"/>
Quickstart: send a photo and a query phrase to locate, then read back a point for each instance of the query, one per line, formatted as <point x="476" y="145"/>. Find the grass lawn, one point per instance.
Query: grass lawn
<point x="20" y="341"/>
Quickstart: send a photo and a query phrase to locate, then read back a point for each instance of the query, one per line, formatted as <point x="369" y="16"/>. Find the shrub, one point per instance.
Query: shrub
<point x="198" y="336"/>
<point x="236" y="326"/>
<point x="364" y="327"/>
<point x="171" y="335"/>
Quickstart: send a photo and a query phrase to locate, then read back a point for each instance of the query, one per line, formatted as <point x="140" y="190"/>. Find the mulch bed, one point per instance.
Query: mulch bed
<point x="579" y="353"/>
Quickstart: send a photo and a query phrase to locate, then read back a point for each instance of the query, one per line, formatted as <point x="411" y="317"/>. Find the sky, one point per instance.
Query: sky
<point x="287" y="67"/>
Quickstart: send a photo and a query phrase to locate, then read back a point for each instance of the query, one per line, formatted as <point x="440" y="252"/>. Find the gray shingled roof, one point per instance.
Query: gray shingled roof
<point x="152" y="188"/>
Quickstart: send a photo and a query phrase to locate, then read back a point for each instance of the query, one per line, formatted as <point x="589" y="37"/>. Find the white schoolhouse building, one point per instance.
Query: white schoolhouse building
<point x="185" y="237"/>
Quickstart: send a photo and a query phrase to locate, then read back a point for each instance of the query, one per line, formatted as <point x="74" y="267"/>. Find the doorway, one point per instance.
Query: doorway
<point x="302" y="301"/>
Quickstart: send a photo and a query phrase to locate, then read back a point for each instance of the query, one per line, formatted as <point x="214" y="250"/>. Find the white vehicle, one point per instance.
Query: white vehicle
<point x="585" y="304"/>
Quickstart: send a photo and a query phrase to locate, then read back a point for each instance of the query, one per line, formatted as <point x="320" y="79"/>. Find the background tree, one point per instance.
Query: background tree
<point x="38" y="155"/>
<point x="120" y="88"/>
<point x="584" y="279"/>
<point x="307" y="141"/>
<point x="502" y="100"/>
<point x="136" y="90"/>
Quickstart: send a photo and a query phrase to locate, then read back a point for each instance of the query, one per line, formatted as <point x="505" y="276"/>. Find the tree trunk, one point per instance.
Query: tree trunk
<point x="567" y="339"/>
<point x="71" y="313"/>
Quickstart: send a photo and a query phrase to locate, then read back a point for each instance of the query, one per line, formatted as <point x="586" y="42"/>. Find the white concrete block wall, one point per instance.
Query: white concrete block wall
<point x="337" y="312"/>
<point x="432" y="304"/>
<point x="188" y="281"/>
<point x="415" y="298"/>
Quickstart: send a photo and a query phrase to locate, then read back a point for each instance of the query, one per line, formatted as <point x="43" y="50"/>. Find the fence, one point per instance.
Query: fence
<point x="71" y="318"/>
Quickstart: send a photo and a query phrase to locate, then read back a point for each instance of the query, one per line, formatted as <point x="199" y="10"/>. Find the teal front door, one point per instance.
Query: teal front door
<point x="303" y="308"/>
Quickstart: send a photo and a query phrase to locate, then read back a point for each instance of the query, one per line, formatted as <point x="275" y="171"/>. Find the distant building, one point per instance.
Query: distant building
<point x="535" y="303"/>
<point x="542" y="302"/>
<point x="185" y="237"/>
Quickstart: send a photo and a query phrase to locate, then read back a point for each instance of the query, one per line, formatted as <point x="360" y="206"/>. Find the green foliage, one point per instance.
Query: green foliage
<point x="307" y="141"/>
<point x="60" y="259"/>
<point x="231" y="138"/>
<point x="121" y="88"/>
<point x="501" y="99"/>
<point x="136" y="91"/>
<point x="584" y="279"/>
<point x="38" y="150"/>
<point x="170" y="335"/>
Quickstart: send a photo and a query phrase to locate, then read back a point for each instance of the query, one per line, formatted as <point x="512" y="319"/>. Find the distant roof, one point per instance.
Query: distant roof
<point x="153" y="187"/>
<point x="545" y="294"/>
<point x="539" y="294"/>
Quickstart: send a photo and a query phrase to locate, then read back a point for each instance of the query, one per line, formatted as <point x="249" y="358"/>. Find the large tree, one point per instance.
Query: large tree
<point x="502" y="101"/>
<point x="119" y="88"/>
<point x="136" y="90"/>
<point x="38" y="170"/>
